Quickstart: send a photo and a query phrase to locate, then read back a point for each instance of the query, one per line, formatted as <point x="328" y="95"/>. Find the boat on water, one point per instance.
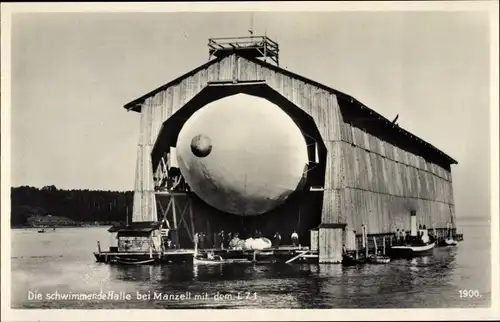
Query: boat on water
<point x="449" y="242"/>
<point x="209" y="260"/>
<point x="412" y="250"/>
<point x="351" y="260"/>
<point x="416" y="246"/>
<point x="134" y="261"/>
<point x="42" y="230"/>
<point x="379" y="259"/>
<point x="218" y="261"/>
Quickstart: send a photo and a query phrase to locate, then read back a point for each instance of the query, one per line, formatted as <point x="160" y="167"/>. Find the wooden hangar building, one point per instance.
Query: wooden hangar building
<point x="362" y="168"/>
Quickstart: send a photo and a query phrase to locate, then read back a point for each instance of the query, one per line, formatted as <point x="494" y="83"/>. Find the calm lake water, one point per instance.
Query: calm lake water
<point x="62" y="262"/>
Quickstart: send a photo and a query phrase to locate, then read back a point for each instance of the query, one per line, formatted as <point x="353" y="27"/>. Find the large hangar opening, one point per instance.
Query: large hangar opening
<point x="242" y="154"/>
<point x="248" y="160"/>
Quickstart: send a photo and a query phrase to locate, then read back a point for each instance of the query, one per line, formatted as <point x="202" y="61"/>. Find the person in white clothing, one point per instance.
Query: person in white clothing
<point x="295" y="238"/>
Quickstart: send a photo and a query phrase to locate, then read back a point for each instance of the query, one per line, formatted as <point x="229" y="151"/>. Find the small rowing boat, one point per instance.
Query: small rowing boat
<point x="350" y="260"/>
<point x="130" y="261"/>
<point x="216" y="259"/>
<point x="450" y="242"/>
<point x="379" y="259"/>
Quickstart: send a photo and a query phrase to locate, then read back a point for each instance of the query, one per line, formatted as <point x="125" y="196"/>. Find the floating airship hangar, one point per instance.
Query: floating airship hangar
<point x="342" y="167"/>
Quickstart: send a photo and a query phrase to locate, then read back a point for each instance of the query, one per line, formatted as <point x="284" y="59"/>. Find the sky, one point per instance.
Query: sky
<point x="72" y="73"/>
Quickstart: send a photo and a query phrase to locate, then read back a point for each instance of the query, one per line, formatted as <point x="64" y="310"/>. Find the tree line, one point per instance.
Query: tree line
<point x="78" y="205"/>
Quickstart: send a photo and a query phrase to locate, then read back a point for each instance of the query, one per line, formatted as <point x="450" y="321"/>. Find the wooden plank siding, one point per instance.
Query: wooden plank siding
<point x="384" y="183"/>
<point x="330" y="241"/>
<point x="367" y="180"/>
<point x="314" y="240"/>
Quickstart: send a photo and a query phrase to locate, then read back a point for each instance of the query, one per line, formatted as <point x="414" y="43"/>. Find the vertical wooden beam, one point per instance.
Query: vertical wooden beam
<point x="144" y="208"/>
<point x="190" y="209"/>
<point x="174" y="211"/>
<point x="175" y="240"/>
<point x="234" y="67"/>
<point x="314" y="240"/>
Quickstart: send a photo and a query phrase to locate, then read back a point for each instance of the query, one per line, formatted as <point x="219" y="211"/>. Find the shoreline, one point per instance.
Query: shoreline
<point x="59" y="227"/>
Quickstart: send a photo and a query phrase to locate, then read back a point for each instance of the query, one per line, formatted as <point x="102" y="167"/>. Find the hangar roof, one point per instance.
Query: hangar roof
<point x="135" y="105"/>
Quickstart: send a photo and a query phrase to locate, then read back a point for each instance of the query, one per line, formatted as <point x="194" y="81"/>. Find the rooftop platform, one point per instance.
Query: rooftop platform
<point x="251" y="47"/>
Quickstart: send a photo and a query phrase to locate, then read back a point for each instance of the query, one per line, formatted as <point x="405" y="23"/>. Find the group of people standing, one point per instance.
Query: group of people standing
<point x="294" y="237"/>
<point x="401" y="236"/>
<point x="223" y="240"/>
<point x="219" y="240"/>
<point x="404" y="237"/>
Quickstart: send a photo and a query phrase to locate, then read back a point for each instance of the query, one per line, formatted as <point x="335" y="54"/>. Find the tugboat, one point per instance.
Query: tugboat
<point x="416" y="246"/>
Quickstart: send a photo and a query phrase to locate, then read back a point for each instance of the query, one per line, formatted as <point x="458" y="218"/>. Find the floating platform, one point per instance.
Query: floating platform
<point x="177" y="256"/>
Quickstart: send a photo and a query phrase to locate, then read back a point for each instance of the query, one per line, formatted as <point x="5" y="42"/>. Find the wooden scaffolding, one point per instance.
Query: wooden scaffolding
<point x="175" y="209"/>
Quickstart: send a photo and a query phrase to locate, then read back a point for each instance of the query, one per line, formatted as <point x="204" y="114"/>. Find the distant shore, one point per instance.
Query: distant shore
<point x="58" y="227"/>
<point x="32" y="207"/>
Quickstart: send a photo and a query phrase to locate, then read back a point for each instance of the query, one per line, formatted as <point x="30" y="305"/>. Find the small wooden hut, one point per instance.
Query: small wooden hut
<point x="138" y="237"/>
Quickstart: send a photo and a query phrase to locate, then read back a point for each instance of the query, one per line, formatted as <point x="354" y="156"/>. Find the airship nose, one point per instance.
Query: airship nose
<point x="201" y="145"/>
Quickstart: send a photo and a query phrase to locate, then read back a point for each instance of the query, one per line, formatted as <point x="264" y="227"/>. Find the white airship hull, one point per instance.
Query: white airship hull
<point x="242" y="154"/>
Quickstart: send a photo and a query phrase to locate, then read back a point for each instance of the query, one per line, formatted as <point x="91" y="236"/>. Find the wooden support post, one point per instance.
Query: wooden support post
<point x="99" y="247"/>
<point x="234" y="65"/>
<point x="330" y="247"/>
<point x="175" y="236"/>
<point x="383" y="242"/>
<point x="314" y="240"/>
<point x="365" y="238"/>
<point x="174" y="212"/>
<point x="375" y="243"/>
<point x="190" y="209"/>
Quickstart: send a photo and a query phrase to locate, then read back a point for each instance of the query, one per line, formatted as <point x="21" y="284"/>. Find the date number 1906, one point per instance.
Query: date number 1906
<point x="469" y="293"/>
